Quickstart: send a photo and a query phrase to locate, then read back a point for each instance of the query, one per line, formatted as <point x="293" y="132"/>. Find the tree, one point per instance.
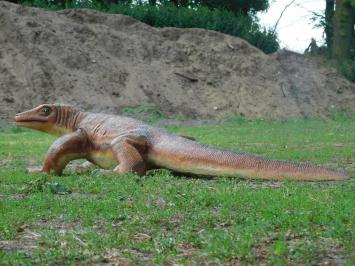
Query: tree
<point x="328" y="29"/>
<point x="343" y="29"/>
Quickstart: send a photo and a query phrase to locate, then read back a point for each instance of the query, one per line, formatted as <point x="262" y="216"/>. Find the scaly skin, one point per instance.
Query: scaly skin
<point x="128" y="145"/>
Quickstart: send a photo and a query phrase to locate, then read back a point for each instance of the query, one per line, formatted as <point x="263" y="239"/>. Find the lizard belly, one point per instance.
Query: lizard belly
<point x="103" y="158"/>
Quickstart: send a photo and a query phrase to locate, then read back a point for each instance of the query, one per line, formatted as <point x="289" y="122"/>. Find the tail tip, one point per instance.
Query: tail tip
<point x="341" y="175"/>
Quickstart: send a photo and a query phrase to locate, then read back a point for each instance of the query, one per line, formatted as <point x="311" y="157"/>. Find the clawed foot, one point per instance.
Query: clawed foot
<point x="85" y="167"/>
<point x="103" y="172"/>
<point x="34" y="170"/>
<point x="82" y="168"/>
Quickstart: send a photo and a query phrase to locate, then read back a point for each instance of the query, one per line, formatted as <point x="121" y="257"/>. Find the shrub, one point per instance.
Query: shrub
<point x="347" y="68"/>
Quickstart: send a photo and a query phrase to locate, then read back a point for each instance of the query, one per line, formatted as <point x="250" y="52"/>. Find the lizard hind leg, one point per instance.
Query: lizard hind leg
<point x="128" y="151"/>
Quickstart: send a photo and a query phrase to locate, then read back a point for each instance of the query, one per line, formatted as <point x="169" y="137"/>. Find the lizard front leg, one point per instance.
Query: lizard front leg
<point x="128" y="151"/>
<point x="65" y="149"/>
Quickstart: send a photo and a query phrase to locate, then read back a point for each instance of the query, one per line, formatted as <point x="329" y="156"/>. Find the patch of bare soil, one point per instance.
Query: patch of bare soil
<point x="29" y="236"/>
<point x="105" y="62"/>
<point x="25" y="241"/>
<point x="12" y="196"/>
<point x="4" y="162"/>
<point x="328" y="251"/>
<point x="116" y="257"/>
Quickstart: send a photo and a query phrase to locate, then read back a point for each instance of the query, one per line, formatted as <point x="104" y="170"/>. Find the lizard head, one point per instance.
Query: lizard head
<point x="50" y="118"/>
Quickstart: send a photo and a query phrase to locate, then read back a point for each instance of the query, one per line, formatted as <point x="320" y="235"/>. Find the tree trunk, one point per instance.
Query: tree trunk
<point x="343" y="31"/>
<point x="329" y="15"/>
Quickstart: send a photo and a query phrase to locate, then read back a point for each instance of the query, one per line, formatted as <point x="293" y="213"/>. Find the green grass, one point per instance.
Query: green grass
<point x="165" y="219"/>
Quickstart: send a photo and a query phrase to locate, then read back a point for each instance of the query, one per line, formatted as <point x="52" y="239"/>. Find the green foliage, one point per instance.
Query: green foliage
<point x="60" y="189"/>
<point x="50" y="5"/>
<point x="36" y="185"/>
<point x="350" y="2"/>
<point x="340" y="116"/>
<point x="147" y="112"/>
<point x="236" y="6"/>
<point x="243" y="26"/>
<point x="163" y="218"/>
<point x="347" y="68"/>
<point x="12" y="129"/>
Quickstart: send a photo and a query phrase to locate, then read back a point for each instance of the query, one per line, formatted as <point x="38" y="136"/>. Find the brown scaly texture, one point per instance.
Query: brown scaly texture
<point x="193" y="157"/>
<point x="127" y="145"/>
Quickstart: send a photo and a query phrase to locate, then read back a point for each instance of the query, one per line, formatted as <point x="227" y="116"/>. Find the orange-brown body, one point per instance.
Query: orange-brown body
<point x="125" y="144"/>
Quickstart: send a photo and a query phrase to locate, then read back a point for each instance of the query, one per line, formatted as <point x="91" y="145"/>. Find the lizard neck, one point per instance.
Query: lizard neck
<point x="68" y="119"/>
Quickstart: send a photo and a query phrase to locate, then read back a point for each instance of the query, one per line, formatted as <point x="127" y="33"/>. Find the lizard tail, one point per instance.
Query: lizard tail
<point x="201" y="159"/>
<point x="250" y="166"/>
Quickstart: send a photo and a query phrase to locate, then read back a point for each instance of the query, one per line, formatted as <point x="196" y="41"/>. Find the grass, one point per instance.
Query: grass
<point x="163" y="218"/>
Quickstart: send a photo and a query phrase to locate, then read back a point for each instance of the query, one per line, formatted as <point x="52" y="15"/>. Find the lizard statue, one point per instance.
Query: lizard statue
<point x="127" y="145"/>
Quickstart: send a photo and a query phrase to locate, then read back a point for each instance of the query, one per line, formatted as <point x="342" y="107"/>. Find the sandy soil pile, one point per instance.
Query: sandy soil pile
<point x="106" y="62"/>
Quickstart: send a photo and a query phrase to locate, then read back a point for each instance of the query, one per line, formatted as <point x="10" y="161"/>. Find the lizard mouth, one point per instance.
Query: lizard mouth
<point x="24" y="120"/>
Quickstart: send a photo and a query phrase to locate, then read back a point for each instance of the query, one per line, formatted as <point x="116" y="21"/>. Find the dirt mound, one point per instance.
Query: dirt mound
<point x="106" y="62"/>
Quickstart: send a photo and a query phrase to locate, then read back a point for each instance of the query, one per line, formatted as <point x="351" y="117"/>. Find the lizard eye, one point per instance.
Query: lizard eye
<point x="45" y="111"/>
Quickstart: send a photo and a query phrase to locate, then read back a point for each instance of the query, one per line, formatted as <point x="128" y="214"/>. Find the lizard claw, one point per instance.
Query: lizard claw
<point x="34" y="170"/>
